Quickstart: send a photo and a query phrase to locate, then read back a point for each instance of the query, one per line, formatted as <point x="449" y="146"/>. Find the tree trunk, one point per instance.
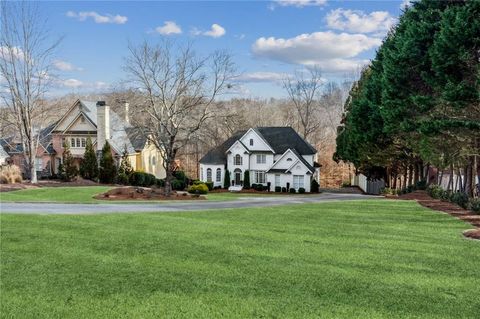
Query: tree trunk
<point x="405" y="173"/>
<point x="416" y="175"/>
<point x="460" y="179"/>
<point x="394" y="186"/>
<point x="469" y="178"/>
<point x="31" y="163"/>
<point x="410" y="175"/>
<point x="450" y="179"/>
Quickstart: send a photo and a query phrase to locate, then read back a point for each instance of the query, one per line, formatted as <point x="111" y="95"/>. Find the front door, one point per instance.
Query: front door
<point x="238" y="178"/>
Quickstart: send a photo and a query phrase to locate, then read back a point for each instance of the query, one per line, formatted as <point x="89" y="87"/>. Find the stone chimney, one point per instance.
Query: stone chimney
<point x="126" y="105"/>
<point x="103" y="124"/>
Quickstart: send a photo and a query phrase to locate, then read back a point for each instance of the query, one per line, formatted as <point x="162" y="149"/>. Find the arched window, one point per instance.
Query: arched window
<point x="238" y="159"/>
<point x="209" y="174"/>
<point x="219" y="175"/>
<point x="289" y="159"/>
<point x="154" y="161"/>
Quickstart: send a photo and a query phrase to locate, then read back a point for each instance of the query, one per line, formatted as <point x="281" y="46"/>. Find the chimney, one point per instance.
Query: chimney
<point x="127" y="106"/>
<point x="103" y="124"/>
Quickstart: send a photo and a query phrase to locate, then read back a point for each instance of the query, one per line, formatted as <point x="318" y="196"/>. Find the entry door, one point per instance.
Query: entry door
<point x="238" y="178"/>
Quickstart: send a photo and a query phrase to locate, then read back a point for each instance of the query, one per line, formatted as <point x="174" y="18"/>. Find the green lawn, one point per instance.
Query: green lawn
<point x="358" y="259"/>
<point x="82" y="194"/>
<point x="85" y="194"/>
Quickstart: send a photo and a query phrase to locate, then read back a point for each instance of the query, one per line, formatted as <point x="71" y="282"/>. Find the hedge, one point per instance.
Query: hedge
<point x="198" y="189"/>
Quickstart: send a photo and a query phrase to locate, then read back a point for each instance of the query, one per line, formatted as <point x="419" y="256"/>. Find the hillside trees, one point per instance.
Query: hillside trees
<point x="418" y="101"/>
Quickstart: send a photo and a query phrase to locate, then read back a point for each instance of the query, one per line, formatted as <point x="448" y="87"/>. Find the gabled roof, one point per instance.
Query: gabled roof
<point x="218" y="154"/>
<point x="282" y="138"/>
<point x="304" y="161"/>
<point x="137" y="138"/>
<point x="3" y="153"/>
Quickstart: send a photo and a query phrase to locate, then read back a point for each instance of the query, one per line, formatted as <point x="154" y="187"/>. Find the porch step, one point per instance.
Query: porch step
<point x="235" y="188"/>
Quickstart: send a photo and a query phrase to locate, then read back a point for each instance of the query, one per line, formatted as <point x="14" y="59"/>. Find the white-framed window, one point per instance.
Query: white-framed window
<point x="84" y="142"/>
<point x="218" y="175"/>
<point x="261" y="158"/>
<point x="238" y="159"/>
<point x="251" y="142"/>
<point x="277" y="180"/>
<point x="72" y="142"/>
<point x="298" y="181"/>
<point x="38" y="164"/>
<point x="79" y="143"/>
<point x="260" y="177"/>
<point x="209" y="174"/>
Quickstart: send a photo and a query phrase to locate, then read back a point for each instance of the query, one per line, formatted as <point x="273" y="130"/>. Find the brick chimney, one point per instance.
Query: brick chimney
<point x="103" y="124"/>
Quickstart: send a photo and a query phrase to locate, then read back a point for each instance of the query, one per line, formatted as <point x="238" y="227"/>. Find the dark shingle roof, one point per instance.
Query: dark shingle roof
<point x="283" y="138"/>
<point x="136" y="137"/>
<point x="218" y="154"/>
<point x="279" y="138"/>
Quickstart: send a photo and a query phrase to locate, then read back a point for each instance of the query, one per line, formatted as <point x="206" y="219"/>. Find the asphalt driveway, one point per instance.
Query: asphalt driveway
<point x="60" y="208"/>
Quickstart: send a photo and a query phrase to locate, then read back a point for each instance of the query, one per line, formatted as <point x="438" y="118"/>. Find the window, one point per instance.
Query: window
<point x="72" y="142"/>
<point x="277" y="180"/>
<point x="261" y="158"/>
<point x="289" y="159"/>
<point x="209" y="174"/>
<point x="238" y="160"/>
<point x="219" y="175"/>
<point x="298" y="182"/>
<point x="84" y="142"/>
<point x="251" y="142"/>
<point x="38" y="164"/>
<point x="154" y="161"/>
<point x="79" y="144"/>
<point x="260" y="177"/>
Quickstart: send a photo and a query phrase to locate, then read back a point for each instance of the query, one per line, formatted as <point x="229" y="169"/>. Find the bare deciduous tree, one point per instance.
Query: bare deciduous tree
<point x="179" y="89"/>
<point x="303" y="90"/>
<point x="26" y="58"/>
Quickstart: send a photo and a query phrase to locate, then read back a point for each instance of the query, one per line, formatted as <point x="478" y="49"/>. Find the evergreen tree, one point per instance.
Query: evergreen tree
<point x="107" y="170"/>
<point x="246" y="179"/>
<point x="68" y="171"/>
<point x="226" y="179"/>
<point x="125" y="169"/>
<point x="89" y="165"/>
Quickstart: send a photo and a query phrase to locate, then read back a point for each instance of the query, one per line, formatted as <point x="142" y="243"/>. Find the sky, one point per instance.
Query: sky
<point x="268" y="40"/>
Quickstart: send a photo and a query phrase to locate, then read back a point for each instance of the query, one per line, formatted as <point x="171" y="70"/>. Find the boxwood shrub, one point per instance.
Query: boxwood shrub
<point x="474" y="205"/>
<point x="292" y="190"/>
<point x="284" y="189"/>
<point x="209" y="185"/>
<point x="460" y="198"/>
<point x="198" y="189"/>
<point x="278" y="189"/>
<point x="301" y="190"/>
<point x="259" y="187"/>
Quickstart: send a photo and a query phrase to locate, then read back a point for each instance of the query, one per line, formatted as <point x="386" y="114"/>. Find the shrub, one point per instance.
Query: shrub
<point x="260" y="188"/>
<point x="278" y="189"/>
<point x="284" y="189"/>
<point x="89" y="164"/>
<point x="160" y="182"/>
<point x="292" y="190"/>
<point x="197" y="182"/>
<point x="209" y="185"/>
<point x="269" y="185"/>
<point x="125" y="166"/>
<point x="387" y="191"/>
<point x="226" y="179"/>
<point x="67" y="171"/>
<point x="198" y="189"/>
<point x="107" y="169"/>
<point x="460" y="198"/>
<point x="435" y="191"/>
<point x="346" y="184"/>
<point x="246" y="179"/>
<point x="150" y="179"/>
<point x="446" y="195"/>
<point x="314" y="186"/>
<point x="137" y="179"/>
<point x="421" y="185"/>
<point x="254" y="186"/>
<point x="178" y="185"/>
<point x="474" y="205"/>
<point x="122" y="178"/>
<point x="10" y="174"/>
<point x="301" y="190"/>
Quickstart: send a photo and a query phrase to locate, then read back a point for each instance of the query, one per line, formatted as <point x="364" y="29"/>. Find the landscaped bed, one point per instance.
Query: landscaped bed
<point x="144" y="193"/>
<point x="362" y="259"/>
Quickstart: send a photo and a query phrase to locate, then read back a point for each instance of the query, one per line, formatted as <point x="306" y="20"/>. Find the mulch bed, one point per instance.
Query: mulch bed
<point x="47" y="183"/>
<point x="456" y="211"/>
<point x="144" y="193"/>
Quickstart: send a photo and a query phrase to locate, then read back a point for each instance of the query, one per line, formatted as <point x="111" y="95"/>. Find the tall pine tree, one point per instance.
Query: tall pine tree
<point x="68" y="170"/>
<point x="125" y="169"/>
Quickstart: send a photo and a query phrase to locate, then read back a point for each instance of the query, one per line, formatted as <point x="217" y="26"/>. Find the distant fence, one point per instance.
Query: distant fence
<point x="373" y="187"/>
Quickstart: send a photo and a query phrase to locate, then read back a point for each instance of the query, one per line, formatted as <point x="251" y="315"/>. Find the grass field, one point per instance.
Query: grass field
<point x="85" y="195"/>
<point x="359" y="259"/>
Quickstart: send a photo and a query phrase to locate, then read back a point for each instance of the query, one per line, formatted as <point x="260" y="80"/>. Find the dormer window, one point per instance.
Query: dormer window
<point x="237" y="160"/>
<point x="251" y="142"/>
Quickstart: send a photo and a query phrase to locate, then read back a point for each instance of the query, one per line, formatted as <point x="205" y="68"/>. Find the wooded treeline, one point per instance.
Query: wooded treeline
<point x="418" y="103"/>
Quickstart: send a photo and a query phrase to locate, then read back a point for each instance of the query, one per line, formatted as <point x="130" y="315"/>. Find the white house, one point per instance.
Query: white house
<point x="274" y="156"/>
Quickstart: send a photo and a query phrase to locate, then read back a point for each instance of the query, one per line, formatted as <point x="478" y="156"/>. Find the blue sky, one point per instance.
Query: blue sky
<point x="268" y="39"/>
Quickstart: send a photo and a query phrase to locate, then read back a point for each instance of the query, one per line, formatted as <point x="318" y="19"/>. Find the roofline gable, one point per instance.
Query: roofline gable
<point x="278" y="161"/>
<point x="76" y="118"/>
<point x="260" y="136"/>
<point x="240" y="142"/>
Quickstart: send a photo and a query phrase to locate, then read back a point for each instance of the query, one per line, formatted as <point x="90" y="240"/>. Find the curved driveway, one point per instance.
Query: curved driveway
<point x="171" y="206"/>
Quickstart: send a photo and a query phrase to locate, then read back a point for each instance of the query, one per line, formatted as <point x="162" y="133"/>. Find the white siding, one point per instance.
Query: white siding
<point x="258" y="143"/>
<point x="203" y="173"/>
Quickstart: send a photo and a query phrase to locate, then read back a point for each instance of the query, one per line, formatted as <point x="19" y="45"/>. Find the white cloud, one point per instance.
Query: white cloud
<point x="65" y="66"/>
<point x="9" y="53"/>
<point x="331" y="51"/>
<point x="107" y="18"/>
<point x="299" y="3"/>
<point x="256" y="77"/>
<point x="358" y="21"/>
<point x="405" y="4"/>
<point x="72" y="83"/>
<point x="216" y="31"/>
<point x="169" y="27"/>
<point x="77" y="84"/>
